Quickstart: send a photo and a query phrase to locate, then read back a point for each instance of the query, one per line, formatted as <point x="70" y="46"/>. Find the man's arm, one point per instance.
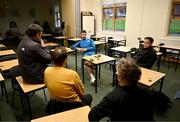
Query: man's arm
<point x="92" y="47"/>
<point x="150" y="61"/>
<point x="40" y="54"/>
<point x="78" y="85"/>
<point x="103" y="109"/>
<point x="75" y="46"/>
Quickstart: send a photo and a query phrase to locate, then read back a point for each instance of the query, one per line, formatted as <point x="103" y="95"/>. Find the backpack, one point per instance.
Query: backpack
<point x="161" y="102"/>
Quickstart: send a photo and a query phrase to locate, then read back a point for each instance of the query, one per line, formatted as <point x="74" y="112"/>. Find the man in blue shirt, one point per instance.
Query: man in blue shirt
<point x="87" y="47"/>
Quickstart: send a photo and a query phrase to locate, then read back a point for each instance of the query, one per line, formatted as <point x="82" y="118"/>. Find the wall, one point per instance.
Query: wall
<point x="68" y="15"/>
<point x="23" y="6"/>
<point x="144" y="18"/>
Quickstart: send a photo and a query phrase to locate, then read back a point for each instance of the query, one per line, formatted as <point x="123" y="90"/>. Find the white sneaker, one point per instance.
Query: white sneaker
<point x="92" y="81"/>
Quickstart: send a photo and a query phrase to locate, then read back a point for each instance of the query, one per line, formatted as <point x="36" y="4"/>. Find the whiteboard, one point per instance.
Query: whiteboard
<point x="88" y="25"/>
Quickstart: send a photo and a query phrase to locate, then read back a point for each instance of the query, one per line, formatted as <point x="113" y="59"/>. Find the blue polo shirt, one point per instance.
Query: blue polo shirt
<point x="86" y="43"/>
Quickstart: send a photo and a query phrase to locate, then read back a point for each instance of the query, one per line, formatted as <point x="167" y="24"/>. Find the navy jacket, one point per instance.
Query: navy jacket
<point x="33" y="60"/>
<point x="145" y="57"/>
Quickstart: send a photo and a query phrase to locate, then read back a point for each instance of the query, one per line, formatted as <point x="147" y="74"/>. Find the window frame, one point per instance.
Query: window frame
<point x="114" y="18"/>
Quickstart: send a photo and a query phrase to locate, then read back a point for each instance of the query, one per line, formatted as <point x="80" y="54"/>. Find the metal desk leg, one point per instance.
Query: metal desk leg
<point x="76" y="59"/>
<point x="114" y="72"/>
<point x="96" y="78"/>
<point x="29" y="107"/>
<point x="82" y="65"/>
<point x="99" y="71"/>
<point x="159" y="63"/>
<point x="105" y="48"/>
<point x="161" y="85"/>
<point x="4" y="87"/>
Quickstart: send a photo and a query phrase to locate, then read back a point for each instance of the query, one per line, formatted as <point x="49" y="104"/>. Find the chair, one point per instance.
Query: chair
<point x="173" y="56"/>
<point x="55" y="106"/>
<point x="141" y="43"/>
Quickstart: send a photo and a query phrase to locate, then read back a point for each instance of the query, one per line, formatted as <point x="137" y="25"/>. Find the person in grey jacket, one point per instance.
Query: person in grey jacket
<point x="32" y="55"/>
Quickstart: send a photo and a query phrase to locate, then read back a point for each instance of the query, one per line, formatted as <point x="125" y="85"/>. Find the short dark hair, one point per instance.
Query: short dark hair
<point x="33" y="30"/>
<point x="83" y="31"/>
<point x="128" y="70"/>
<point x="150" y="39"/>
<point x="59" y="55"/>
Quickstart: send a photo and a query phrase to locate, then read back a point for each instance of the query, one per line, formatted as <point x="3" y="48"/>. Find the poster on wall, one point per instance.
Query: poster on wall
<point x="15" y="13"/>
<point x="32" y="13"/>
<point x="2" y="12"/>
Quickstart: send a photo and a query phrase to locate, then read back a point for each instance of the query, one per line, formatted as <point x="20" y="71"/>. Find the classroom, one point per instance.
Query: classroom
<point x="89" y="60"/>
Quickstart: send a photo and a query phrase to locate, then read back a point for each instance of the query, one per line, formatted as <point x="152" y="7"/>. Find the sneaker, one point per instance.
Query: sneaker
<point x="92" y="81"/>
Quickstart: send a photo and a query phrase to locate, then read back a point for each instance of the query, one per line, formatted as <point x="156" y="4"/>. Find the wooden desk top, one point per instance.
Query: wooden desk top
<point x="1" y="77"/>
<point x="50" y="44"/>
<point x="6" y="52"/>
<point x="74" y="39"/>
<point x="26" y="87"/>
<point x="117" y="40"/>
<point x="74" y="115"/>
<point x="159" y="53"/>
<point x="6" y="65"/>
<point x="1" y="45"/>
<point x="60" y="37"/>
<point x="47" y="35"/>
<point x="98" y="59"/>
<point x="149" y="77"/>
<point x="122" y="49"/>
<point x="170" y="47"/>
<point x="99" y="42"/>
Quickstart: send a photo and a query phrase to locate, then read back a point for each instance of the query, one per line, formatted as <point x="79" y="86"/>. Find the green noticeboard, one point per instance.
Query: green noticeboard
<point x="120" y="24"/>
<point x="174" y="27"/>
<point x="108" y="24"/>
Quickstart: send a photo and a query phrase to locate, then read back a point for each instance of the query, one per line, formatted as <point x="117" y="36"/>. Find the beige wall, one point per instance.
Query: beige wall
<point x="144" y="18"/>
<point x="68" y="15"/>
<point x="23" y="6"/>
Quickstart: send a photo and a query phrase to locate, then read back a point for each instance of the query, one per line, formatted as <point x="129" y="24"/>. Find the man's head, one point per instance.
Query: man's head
<point x="59" y="56"/>
<point x="83" y="34"/>
<point x="148" y="41"/>
<point x="34" y="31"/>
<point x="128" y="72"/>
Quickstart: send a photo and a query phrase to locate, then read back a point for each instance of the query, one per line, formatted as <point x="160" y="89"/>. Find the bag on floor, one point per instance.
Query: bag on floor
<point x="161" y="102"/>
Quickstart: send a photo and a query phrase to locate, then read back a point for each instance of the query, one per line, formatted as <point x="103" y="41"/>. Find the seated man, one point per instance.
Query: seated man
<point x="64" y="84"/>
<point x="146" y="56"/>
<point x="127" y="102"/>
<point x="32" y="56"/>
<point x="87" y="47"/>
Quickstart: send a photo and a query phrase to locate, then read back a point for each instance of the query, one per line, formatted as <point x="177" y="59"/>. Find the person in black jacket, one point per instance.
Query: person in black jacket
<point x="32" y="56"/>
<point x="146" y="56"/>
<point x="127" y="102"/>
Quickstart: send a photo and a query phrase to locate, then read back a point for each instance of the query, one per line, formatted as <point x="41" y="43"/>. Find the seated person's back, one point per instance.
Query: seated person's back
<point x="146" y="56"/>
<point x="127" y="102"/>
<point x="32" y="56"/>
<point x="64" y="84"/>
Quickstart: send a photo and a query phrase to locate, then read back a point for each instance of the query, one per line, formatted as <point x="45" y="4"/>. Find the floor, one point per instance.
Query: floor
<point x="38" y="103"/>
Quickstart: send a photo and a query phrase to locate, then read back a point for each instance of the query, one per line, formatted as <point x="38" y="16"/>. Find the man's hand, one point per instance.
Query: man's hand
<point x="42" y="43"/>
<point x="81" y="49"/>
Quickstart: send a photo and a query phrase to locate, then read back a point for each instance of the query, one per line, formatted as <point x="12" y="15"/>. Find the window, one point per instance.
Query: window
<point x="114" y="15"/>
<point x="174" y="25"/>
<point x="57" y="16"/>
